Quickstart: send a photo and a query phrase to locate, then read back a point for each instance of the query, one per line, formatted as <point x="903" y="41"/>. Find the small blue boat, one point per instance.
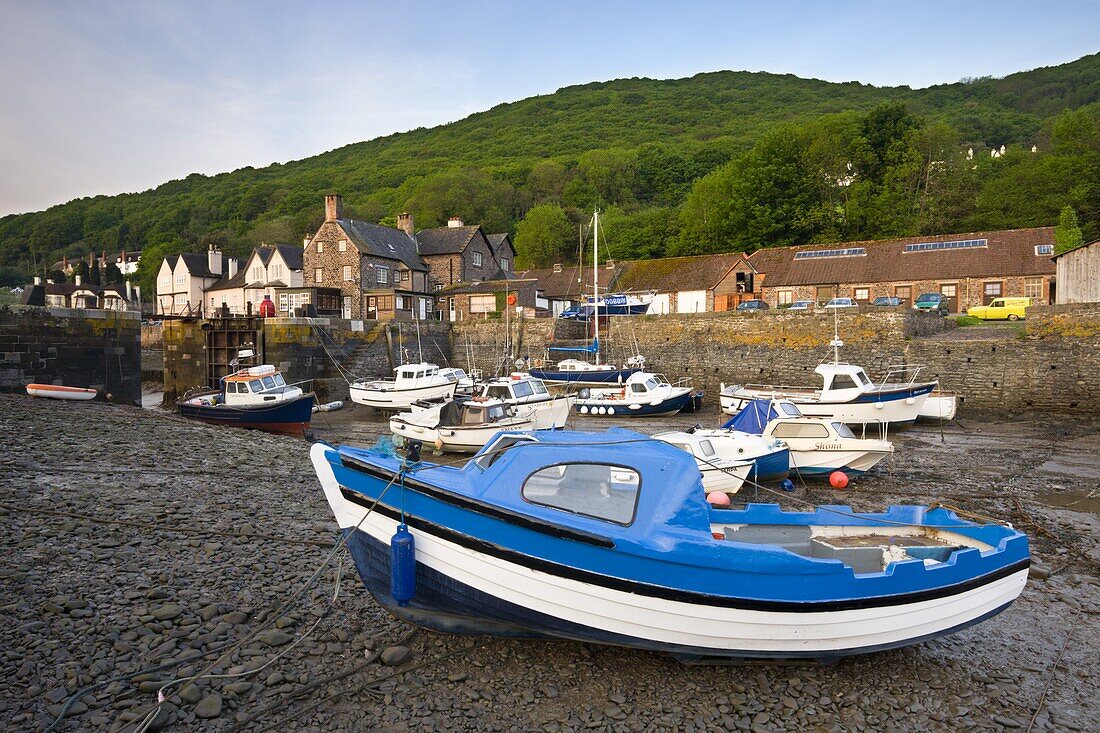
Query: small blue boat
<point x="643" y="394"/>
<point x="254" y="397"/>
<point x="607" y="537"/>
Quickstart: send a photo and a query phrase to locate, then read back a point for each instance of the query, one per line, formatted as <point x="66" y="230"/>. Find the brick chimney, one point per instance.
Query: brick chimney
<point x="334" y="207"/>
<point x="77" y="280"/>
<point x="214" y="259"/>
<point x="455" y="222"/>
<point x="405" y="223"/>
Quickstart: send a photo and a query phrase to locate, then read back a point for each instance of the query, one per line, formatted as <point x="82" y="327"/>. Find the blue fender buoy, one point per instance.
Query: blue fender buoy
<point x="787" y="485"/>
<point x="402" y="565"/>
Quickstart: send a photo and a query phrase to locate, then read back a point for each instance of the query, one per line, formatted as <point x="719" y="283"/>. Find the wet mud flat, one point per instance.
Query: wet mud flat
<point x="132" y="538"/>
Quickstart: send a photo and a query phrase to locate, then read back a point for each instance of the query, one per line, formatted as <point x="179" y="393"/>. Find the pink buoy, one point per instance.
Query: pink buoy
<point x="838" y="479"/>
<point x="718" y="499"/>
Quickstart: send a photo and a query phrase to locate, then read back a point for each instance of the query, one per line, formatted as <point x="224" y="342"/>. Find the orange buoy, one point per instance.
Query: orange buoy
<point x="838" y="479"/>
<point x="718" y="499"/>
<point x="511" y="298"/>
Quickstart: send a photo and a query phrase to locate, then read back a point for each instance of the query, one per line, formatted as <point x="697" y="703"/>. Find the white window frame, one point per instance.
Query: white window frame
<point x="477" y="259"/>
<point x="342" y="245"/>
<point x="347" y="274"/>
<point x="319" y="275"/>
<point x="784" y="297"/>
<point x="504" y="264"/>
<point x="383" y="275"/>
<point x="320" y="247"/>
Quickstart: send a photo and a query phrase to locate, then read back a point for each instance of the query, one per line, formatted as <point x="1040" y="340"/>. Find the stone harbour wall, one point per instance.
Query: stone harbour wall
<point x="96" y="349"/>
<point x="1051" y="363"/>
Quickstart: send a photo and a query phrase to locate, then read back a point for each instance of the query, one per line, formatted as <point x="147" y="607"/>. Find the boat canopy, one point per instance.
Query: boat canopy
<point x="753" y="417"/>
<point x="592" y="348"/>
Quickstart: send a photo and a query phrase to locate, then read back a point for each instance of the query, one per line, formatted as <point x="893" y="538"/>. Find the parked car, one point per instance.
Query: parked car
<point x="576" y="313"/>
<point x="1001" y="308"/>
<point x="802" y="305"/>
<point x="836" y="303"/>
<point x="752" y="305"/>
<point x="932" y="302"/>
<point x="887" y="301"/>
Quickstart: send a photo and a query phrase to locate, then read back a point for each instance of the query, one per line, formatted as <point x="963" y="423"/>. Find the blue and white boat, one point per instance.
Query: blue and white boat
<point x="255" y="397"/>
<point x="612" y="304"/>
<point x="643" y="394"/>
<point x="817" y="446"/>
<point x="769" y="459"/>
<point x="584" y="373"/>
<point x="607" y="537"/>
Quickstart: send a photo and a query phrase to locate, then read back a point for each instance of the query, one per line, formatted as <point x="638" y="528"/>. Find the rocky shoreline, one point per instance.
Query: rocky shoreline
<point x="133" y="539"/>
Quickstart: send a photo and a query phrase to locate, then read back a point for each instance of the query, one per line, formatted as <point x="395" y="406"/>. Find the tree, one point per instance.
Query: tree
<point x="1067" y="235"/>
<point x="112" y="275"/>
<point x="543" y="237"/>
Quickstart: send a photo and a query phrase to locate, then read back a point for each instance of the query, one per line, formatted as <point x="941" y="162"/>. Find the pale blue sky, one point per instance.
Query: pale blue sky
<point x="111" y="97"/>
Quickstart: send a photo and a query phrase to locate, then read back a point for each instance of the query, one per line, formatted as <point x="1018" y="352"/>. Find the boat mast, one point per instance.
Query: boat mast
<point x="837" y="343"/>
<point x="596" y="277"/>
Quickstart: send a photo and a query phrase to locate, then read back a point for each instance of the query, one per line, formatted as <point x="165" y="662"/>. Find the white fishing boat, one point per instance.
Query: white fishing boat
<point x="529" y="396"/>
<point x="818" y="446"/>
<point x="720" y="473"/>
<point x="61" y="392"/>
<point x="459" y="426"/>
<point x="769" y="458"/>
<point x="939" y="406"/>
<point x="411" y="383"/>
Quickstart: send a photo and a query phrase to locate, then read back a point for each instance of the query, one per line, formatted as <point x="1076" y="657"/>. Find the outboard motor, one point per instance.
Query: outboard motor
<point x="412" y="451"/>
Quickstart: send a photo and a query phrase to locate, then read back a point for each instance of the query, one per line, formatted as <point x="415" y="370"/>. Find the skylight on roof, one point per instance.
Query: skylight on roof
<point x="958" y="244"/>
<point x="1044" y="249"/>
<point x="849" y="252"/>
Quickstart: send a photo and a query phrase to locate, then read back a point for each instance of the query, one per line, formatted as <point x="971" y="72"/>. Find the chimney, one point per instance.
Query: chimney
<point x="305" y="242"/>
<point x="232" y="264"/>
<point x="129" y="292"/>
<point x="611" y="264"/>
<point x="214" y="259"/>
<point x="557" y="267"/>
<point x="405" y="223"/>
<point x="37" y="280"/>
<point x="454" y="223"/>
<point x="334" y="207"/>
<point x="137" y="293"/>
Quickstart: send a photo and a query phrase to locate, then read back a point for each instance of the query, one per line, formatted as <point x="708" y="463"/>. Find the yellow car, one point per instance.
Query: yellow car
<point x="1001" y="308"/>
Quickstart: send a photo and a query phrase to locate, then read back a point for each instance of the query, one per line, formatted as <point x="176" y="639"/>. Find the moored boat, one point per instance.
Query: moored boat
<point x="719" y="473"/>
<point x="607" y="538"/>
<point x="460" y="426"/>
<point x="769" y="459"/>
<point x="61" y="392"/>
<point x="644" y="394"/>
<point x="529" y="396"/>
<point x="254" y="397"/>
<point x="411" y="383"/>
<point x="939" y="406"/>
<point x="818" y="446"/>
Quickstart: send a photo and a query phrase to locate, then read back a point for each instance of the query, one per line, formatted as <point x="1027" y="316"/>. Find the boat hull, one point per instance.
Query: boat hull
<point x="897" y="410"/>
<point x="728" y="480"/>
<point x="771" y="468"/>
<point x="472" y="439"/>
<point x="290" y="418"/>
<point x="468" y="585"/>
<point x="625" y="408"/>
<point x="939" y="407"/>
<point x="61" y="392"/>
<point x="822" y="463"/>
<point x="581" y="378"/>
<point x="399" y="399"/>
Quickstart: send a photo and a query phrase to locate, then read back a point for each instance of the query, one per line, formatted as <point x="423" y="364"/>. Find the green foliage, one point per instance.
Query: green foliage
<point x="720" y="161"/>
<point x="545" y="236"/>
<point x="1067" y="235"/>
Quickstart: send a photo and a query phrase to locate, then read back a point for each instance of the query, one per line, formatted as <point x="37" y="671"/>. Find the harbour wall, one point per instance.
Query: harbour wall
<point x="97" y="349"/>
<point x="327" y="352"/>
<point x="1049" y="362"/>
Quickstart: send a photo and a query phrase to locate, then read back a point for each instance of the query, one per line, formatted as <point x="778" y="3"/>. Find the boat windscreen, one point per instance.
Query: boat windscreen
<point x="498" y="447"/>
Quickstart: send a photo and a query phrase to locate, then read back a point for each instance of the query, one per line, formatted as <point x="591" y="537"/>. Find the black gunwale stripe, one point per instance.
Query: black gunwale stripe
<point x="673" y="594"/>
<point x="463" y="502"/>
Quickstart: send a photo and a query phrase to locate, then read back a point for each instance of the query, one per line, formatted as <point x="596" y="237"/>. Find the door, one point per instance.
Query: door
<point x="825" y="293"/>
<point x="451" y="307"/>
<point x="950" y="291"/>
<point x="904" y="293"/>
<point x="660" y="304"/>
<point x="347" y="308"/>
<point x="991" y="290"/>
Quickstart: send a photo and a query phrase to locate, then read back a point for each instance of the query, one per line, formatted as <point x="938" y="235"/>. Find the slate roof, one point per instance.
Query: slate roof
<point x="380" y="241"/>
<point x="292" y="255"/>
<point x="565" y="285"/>
<point x="488" y="286"/>
<point x="673" y="274"/>
<point x="197" y="265"/>
<point x="495" y="240"/>
<point x="445" y="240"/>
<point x="237" y="281"/>
<point x="1009" y="253"/>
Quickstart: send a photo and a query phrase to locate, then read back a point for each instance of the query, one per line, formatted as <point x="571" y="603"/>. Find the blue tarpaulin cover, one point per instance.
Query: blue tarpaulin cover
<point x="592" y="348"/>
<point x="753" y="417"/>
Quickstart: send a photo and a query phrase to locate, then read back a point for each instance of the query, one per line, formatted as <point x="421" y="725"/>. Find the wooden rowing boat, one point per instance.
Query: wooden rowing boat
<point x="61" y="392"/>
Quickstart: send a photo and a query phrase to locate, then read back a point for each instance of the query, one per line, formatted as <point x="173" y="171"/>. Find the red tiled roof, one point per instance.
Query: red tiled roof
<point x="1008" y="253"/>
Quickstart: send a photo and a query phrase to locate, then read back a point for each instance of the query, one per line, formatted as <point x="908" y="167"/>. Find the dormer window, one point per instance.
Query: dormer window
<point x="1044" y="249"/>
<point x="504" y="264"/>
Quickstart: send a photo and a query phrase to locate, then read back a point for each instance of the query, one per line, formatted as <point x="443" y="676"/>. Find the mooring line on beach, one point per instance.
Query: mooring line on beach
<point x="164" y="527"/>
<point x="1053" y="669"/>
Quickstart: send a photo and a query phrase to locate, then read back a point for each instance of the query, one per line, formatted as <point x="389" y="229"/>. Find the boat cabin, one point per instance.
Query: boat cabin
<point x="257" y="385"/>
<point x="423" y="374"/>
<point x="783" y="420"/>
<point x="517" y="388"/>
<point x="455" y="413"/>
<point x="844" y="380"/>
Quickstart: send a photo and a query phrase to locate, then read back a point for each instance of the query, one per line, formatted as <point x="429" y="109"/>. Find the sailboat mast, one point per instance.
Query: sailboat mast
<point x="596" y="277"/>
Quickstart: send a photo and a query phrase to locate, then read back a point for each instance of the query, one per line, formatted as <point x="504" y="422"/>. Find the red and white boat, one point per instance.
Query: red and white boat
<point x="61" y="392"/>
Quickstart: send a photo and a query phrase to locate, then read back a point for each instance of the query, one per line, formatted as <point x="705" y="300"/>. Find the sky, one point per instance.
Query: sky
<point x="105" y="98"/>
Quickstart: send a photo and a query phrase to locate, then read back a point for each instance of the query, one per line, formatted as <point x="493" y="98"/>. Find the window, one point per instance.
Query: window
<point x="959" y="244"/>
<point x="477" y="259"/>
<point x="800" y="430"/>
<point x="231" y="387"/>
<point x="1033" y="287"/>
<point x="825" y="293"/>
<point x="181" y="278"/>
<point x="279" y="381"/>
<point x="257" y="273"/>
<point x="588" y="489"/>
<point x="992" y="290"/>
<point x="813" y="253"/>
<point x="269" y="382"/>
<point x="404" y="276"/>
<point x="903" y="293"/>
<point x="523" y="389"/>
<point x="863" y="293"/>
<point x="1044" y="249"/>
<point x="320" y="247"/>
<point x="843" y="381"/>
<point x="400" y="303"/>
<point x="504" y="263"/>
<point x="383" y="275"/>
<point x="255" y="385"/>
<point x="843" y="430"/>
<point x="786" y="297"/>
<point x="342" y="245"/>
<point x="483" y="303"/>
<point x="347" y="273"/>
<point x="181" y="299"/>
<point x="789" y="409"/>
